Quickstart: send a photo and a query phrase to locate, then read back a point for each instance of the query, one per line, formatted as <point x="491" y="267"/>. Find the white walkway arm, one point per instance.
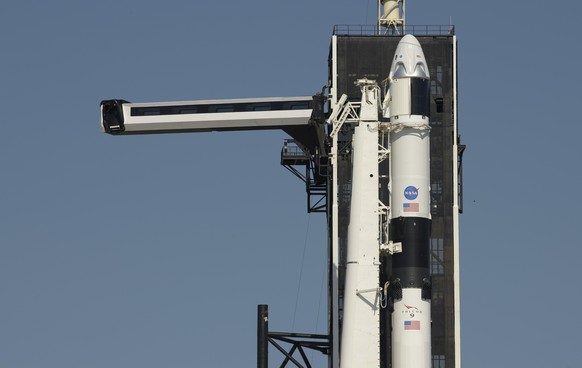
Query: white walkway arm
<point x="122" y="117"/>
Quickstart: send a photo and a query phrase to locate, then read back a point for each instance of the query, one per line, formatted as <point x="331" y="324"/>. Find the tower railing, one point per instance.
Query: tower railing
<point x="372" y="30"/>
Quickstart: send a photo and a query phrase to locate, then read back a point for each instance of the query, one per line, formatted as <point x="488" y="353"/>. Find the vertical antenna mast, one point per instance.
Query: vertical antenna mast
<point x="391" y="15"/>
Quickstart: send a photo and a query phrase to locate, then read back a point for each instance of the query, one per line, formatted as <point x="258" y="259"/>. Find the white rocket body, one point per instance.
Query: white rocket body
<point x="407" y="106"/>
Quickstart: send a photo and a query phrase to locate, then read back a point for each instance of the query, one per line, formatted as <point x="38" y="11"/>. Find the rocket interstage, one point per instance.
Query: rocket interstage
<point x="407" y="105"/>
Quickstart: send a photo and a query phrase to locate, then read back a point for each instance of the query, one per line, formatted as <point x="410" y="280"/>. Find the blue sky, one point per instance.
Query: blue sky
<point x="154" y="251"/>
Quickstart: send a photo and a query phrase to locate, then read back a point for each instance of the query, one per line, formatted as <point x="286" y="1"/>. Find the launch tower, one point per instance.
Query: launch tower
<point x="321" y="152"/>
<point x="365" y="52"/>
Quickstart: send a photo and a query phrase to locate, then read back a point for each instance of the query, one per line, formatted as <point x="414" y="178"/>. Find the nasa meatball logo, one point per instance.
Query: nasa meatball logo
<point x="411" y="193"/>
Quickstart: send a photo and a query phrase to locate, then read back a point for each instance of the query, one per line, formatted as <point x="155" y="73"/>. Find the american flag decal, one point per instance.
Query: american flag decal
<point x="410" y="207"/>
<point x="411" y="325"/>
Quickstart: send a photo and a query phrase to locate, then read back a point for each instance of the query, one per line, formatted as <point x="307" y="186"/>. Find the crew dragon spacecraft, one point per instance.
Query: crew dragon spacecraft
<point x="388" y="179"/>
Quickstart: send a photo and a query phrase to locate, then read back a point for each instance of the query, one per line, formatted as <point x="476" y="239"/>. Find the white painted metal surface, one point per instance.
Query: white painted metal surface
<point x="410" y="196"/>
<point x="391" y="9"/>
<point x="411" y="331"/>
<point x="360" y="344"/>
<point x="391" y="13"/>
<point x="334" y="241"/>
<point x="456" y="275"/>
<point x="211" y="121"/>
<point x="409" y="60"/>
<point x="410" y="176"/>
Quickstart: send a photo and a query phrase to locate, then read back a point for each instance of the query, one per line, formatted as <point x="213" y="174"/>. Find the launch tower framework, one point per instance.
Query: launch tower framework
<point x="364" y="52"/>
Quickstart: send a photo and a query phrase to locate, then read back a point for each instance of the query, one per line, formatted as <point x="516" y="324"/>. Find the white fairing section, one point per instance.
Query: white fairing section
<point x="411" y="346"/>
<point x="360" y="343"/>
<point x="410" y="169"/>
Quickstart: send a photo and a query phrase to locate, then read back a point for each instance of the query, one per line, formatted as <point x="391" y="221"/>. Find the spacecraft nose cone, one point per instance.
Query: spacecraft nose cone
<point x="409" y="60"/>
<point x="409" y="39"/>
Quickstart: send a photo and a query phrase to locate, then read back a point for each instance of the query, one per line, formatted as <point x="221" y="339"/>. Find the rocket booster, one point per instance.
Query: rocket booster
<point x="407" y="104"/>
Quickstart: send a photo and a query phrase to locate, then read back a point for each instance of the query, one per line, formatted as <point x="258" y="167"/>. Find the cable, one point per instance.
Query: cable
<point x="319" y="304"/>
<point x="300" y="273"/>
<point x="320" y="297"/>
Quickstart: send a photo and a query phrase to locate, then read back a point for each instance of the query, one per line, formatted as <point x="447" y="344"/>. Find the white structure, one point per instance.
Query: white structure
<point x="391" y="14"/>
<point x="407" y="106"/>
<point x="122" y="117"/>
<point x="360" y="346"/>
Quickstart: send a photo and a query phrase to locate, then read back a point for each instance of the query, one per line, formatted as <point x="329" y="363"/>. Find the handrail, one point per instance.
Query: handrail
<point x="374" y="30"/>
